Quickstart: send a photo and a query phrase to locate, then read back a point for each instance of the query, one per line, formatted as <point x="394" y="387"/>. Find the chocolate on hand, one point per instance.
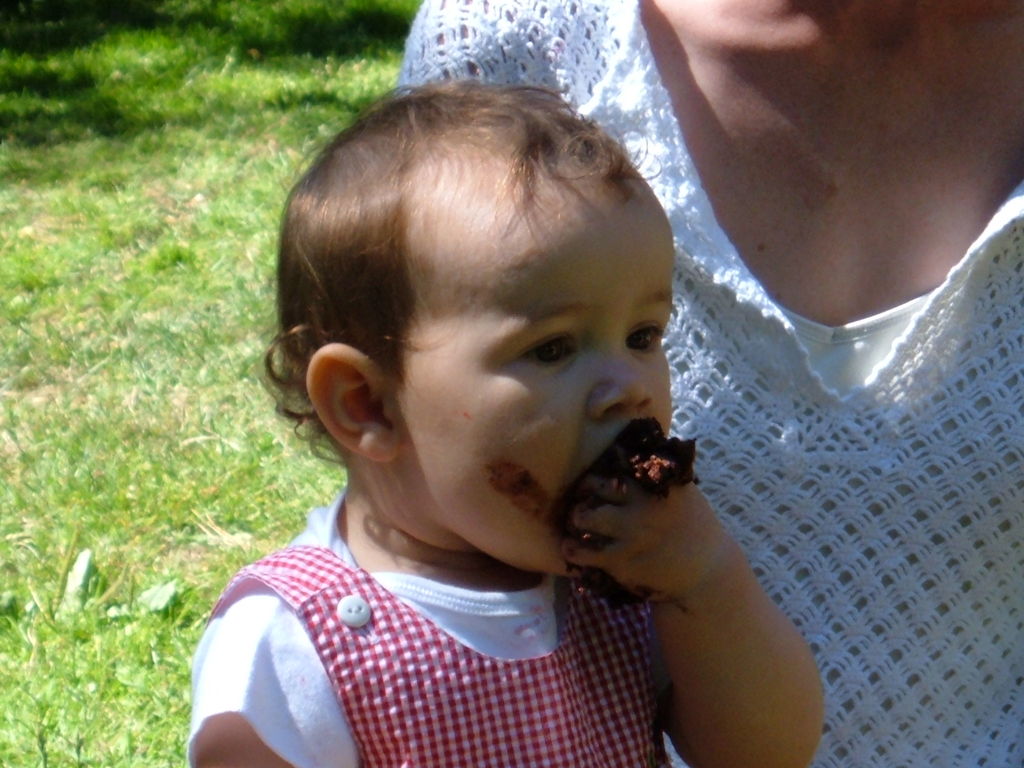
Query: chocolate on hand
<point x="644" y="455"/>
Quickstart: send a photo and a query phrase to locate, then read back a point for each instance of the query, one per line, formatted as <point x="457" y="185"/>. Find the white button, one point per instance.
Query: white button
<point x="353" y="611"/>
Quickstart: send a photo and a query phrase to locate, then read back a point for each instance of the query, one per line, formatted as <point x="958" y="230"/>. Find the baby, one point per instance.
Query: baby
<point x="472" y="286"/>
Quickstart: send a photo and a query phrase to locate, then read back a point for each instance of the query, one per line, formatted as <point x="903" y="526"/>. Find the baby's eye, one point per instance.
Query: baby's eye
<point x="644" y="338"/>
<point x="552" y="351"/>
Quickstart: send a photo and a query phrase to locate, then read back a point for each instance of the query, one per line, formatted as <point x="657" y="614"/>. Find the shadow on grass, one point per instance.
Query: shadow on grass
<point x="45" y="26"/>
<point x="55" y="94"/>
<point x="289" y="27"/>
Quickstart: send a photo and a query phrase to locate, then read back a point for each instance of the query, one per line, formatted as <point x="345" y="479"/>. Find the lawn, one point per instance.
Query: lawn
<point x="146" y="147"/>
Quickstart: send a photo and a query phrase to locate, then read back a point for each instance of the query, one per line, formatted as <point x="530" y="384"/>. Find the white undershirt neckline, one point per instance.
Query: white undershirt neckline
<point x="846" y="357"/>
<point x="518" y="625"/>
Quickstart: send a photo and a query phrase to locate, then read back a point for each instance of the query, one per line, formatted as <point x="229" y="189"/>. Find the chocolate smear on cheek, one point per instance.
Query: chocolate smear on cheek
<point x="516" y="483"/>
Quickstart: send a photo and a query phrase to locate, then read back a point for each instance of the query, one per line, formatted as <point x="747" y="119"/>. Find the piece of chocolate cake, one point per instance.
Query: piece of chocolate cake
<point x="641" y="453"/>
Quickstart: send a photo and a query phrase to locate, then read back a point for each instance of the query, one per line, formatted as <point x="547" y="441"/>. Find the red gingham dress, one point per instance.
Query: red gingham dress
<point x="415" y="697"/>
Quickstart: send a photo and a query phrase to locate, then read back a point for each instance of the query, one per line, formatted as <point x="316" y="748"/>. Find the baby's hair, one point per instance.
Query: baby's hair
<point x="344" y="258"/>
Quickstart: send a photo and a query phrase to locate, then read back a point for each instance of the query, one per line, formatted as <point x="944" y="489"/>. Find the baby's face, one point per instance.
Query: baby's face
<point x="533" y="344"/>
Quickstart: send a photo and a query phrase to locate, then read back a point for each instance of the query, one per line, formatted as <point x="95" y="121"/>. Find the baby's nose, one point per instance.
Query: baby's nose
<point x="621" y="391"/>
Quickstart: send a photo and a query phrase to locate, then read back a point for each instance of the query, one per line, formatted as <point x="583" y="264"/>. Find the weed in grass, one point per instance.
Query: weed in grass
<point x="146" y="149"/>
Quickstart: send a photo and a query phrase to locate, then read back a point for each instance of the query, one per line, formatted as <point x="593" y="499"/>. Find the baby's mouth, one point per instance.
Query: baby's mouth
<point x="642" y="453"/>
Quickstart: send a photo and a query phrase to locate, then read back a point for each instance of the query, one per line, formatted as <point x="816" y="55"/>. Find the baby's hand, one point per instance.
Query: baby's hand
<point x="658" y="548"/>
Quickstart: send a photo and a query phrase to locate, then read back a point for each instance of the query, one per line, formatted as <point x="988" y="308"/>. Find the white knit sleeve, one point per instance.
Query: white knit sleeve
<point x="257" y="660"/>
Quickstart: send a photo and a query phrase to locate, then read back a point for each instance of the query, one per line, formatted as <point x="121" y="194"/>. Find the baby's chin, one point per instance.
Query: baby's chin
<point x="544" y="562"/>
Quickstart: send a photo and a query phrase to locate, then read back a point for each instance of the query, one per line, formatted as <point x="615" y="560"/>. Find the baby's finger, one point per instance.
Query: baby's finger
<point x="606" y="490"/>
<point x="589" y="540"/>
<point x="580" y="554"/>
<point x="605" y="520"/>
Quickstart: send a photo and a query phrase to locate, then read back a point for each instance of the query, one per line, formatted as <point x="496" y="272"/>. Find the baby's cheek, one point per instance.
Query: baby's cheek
<point x="515" y="483"/>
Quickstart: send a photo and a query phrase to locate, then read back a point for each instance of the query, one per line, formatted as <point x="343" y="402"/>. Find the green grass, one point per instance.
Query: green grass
<point x="145" y="151"/>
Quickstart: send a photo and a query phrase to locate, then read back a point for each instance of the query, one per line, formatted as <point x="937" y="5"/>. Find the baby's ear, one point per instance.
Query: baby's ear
<point x="353" y="396"/>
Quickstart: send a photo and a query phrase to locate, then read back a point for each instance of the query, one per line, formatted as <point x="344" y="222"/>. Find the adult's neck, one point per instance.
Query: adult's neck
<point x="793" y="24"/>
<point x="852" y="150"/>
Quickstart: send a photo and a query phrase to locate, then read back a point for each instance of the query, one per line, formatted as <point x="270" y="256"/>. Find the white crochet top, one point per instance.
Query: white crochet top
<point x="888" y="521"/>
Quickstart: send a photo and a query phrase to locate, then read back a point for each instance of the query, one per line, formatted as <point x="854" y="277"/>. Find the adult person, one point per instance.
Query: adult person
<point x="843" y="178"/>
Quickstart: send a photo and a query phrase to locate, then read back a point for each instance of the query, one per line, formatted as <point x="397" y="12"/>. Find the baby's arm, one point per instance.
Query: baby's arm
<point x="745" y="688"/>
<point x="228" y="741"/>
<point x="260" y="696"/>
